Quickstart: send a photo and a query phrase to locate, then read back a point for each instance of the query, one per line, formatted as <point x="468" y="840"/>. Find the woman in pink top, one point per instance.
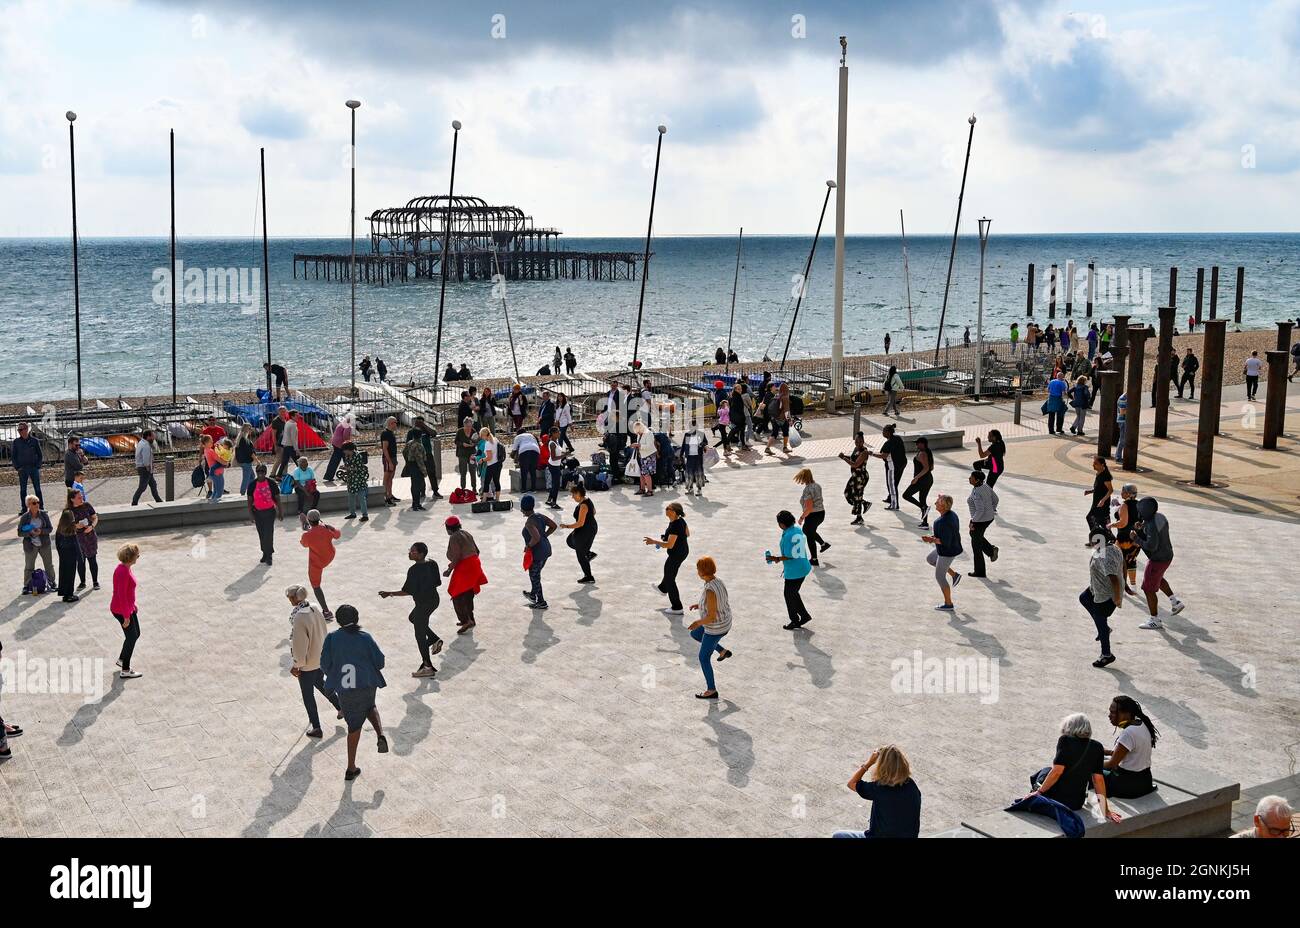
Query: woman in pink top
<point x="123" y="607"/>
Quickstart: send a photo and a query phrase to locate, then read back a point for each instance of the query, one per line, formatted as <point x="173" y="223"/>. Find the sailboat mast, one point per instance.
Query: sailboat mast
<point x="734" y="284"/>
<point x="907" y="279"/>
<point x="952" y="255"/>
<point x="500" y="281"/>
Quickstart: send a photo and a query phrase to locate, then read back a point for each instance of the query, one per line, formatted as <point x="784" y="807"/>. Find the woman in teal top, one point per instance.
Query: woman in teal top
<point x="795" y="566"/>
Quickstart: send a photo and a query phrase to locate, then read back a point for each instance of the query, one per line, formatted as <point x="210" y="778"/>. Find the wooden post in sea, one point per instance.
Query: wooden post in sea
<point x="1200" y="292"/>
<point x="1108" y="383"/>
<point x="1211" y="396"/>
<point x="1164" y="358"/>
<point x="1137" y="337"/>
<point x="1214" y="292"/>
<point x="1051" y="294"/>
<point x="1275" y="399"/>
<point x="1284" y="336"/>
<point x="1069" y="288"/>
<point x="1173" y="287"/>
<point x="1092" y="273"/>
<point x="1241" y="289"/>
<point x="1029" y="298"/>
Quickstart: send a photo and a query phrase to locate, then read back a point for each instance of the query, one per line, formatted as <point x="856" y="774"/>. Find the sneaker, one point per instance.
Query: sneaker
<point x="1152" y="624"/>
<point x="466" y="627"/>
<point x="350" y="515"/>
<point x="436" y="646"/>
<point x="586" y="579"/>
<point x="672" y="611"/>
<point x="314" y="733"/>
<point x="364" y="519"/>
<point x="540" y="604"/>
<point x="1104" y="660"/>
<point x="993" y="556"/>
<point x="128" y="674"/>
<point x="790" y="626"/>
<point x="95" y="586"/>
<point x="528" y="595"/>
<point x="655" y="587"/>
<point x="956" y="580"/>
<point x="944" y="608"/>
<point x="424" y="671"/>
<point x="1176" y="606"/>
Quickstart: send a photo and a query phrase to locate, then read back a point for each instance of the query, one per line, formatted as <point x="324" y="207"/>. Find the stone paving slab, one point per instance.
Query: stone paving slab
<point x="581" y="720"/>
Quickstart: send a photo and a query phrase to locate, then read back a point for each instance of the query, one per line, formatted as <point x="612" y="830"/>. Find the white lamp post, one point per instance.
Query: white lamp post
<point x="353" y="105"/>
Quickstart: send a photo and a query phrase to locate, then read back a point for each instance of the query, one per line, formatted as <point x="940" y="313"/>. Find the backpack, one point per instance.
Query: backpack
<point x="286" y="485"/>
<point x="262" y="498"/>
<point x="460" y="496"/>
<point x="39" y="582"/>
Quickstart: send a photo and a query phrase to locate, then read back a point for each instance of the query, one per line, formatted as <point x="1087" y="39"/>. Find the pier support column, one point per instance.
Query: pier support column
<point x="1109" y="384"/>
<point x="1284" y="336"/>
<point x="1173" y="287"/>
<point x="1275" y="399"/>
<point x="1137" y="337"/>
<point x="1211" y="397"/>
<point x="1164" y="359"/>
<point x="1241" y="291"/>
<point x="1029" y="298"/>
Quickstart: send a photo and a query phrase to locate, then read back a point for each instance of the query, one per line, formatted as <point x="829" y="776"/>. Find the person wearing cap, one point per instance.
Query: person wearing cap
<point x="319" y="539"/>
<point x="306" y="638"/>
<point x="1105" y="592"/>
<point x="537" y="548"/>
<point x="353" y="665"/>
<point x="422" y="582"/>
<point x="466" y="573"/>
<point x="1152" y="534"/>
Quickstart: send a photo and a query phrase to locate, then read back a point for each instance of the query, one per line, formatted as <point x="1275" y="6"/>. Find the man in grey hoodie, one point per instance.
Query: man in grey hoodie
<point x="144" y="468"/>
<point x="306" y="638"/>
<point x="1152" y="534"/>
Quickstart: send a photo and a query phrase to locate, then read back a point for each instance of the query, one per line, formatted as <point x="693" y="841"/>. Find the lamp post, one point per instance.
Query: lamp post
<point x="76" y="274"/>
<point x="841" y="157"/>
<point x="645" y="261"/>
<point x="352" y="272"/>
<point x="446" y="243"/>
<point x="979" y="318"/>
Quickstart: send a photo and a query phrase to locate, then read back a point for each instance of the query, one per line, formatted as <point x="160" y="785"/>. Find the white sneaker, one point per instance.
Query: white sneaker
<point x="672" y="612"/>
<point x="128" y="674"/>
<point x="1176" y="606"/>
<point x="1152" y="624"/>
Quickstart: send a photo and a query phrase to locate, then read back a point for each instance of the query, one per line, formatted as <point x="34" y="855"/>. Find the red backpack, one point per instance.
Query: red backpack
<point x="460" y="496"/>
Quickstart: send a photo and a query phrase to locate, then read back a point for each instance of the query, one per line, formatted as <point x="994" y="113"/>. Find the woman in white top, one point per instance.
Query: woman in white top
<point x="564" y="419"/>
<point x="1128" y="764"/>
<point x="714" y="622"/>
<point x="491" y="459"/>
<point x="647" y="457"/>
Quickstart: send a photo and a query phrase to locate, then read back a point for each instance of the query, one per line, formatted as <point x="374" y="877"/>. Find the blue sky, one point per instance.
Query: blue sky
<point x="1157" y="116"/>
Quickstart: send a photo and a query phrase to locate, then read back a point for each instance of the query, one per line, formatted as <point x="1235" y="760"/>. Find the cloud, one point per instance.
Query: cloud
<point x="272" y="120"/>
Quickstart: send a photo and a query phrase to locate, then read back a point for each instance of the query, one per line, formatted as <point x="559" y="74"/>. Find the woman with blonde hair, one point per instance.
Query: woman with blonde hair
<point x="490" y="454"/>
<point x="895" y="798"/>
<point x="123" y="607"/>
<point x="812" y="513"/>
<point x="647" y="458"/>
<point x="714" y="622"/>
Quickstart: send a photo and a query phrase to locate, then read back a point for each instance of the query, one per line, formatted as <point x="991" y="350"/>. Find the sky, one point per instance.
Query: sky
<point x="1107" y="117"/>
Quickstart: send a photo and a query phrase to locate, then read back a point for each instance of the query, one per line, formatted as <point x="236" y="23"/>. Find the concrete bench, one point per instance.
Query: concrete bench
<point x="1187" y="803"/>
<point x="939" y="439"/>
<point x="193" y="513"/>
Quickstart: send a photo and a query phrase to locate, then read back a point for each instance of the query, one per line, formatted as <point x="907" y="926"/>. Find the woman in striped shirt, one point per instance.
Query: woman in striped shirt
<point x="714" y="622"/>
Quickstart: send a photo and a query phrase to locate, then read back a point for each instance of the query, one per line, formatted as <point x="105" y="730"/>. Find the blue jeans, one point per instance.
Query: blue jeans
<point x="554" y="472"/>
<point x="535" y="576"/>
<point x="359" y="499"/>
<point x="312" y="682"/>
<point x="246" y="480"/>
<point x="218" y="476"/>
<point x="34" y="475"/>
<point x="849" y="834"/>
<point x="708" y="644"/>
<point x="1119" y="440"/>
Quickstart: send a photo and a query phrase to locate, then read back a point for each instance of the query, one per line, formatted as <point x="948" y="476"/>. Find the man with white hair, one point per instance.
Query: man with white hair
<point x="306" y="638"/>
<point x="1272" y="820"/>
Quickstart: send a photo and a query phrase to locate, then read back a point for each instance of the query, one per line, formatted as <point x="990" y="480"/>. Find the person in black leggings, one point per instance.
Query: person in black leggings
<point x="812" y="513"/>
<point x="582" y="531"/>
<point x="922" y="480"/>
<point x="674" y="541"/>
<point x="992" y="458"/>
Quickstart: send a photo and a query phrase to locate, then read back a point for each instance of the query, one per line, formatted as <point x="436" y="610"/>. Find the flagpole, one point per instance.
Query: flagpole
<point x="645" y="261"/>
<point x="952" y="255"/>
<point x="734" y="284"/>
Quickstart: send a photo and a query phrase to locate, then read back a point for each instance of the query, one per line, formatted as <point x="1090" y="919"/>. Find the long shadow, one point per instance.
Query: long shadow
<point x="250" y="582"/>
<point x="589" y="607"/>
<point x="820" y="667"/>
<point x="1017" y="602"/>
<point x="419" y="718"/>
<point x="734" y="745"/>
<point x="1021" y="531"/>
<point x="538" y="638"/>
<point x="1164" y="712"/>
<point x="456" y="659"/>
<point x="830" y="584"/>
<point x="43" y="618"/>
<point x="706" y="507"/>
<point x="17" y="606"/>
<point x="1222" y="669"/>
<point x="987" y="645"/>
<point x="687" y="646"/>
<point x="876" y="540"/>
<point x="287" y="789"/>
<point x="340" y="817"/>
<point x="89" y="713"/>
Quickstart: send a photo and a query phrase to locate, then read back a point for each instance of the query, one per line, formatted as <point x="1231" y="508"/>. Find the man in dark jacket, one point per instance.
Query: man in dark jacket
<point x="74" y="459"/>
<point x="545" y="415"/>
<point x="420" y="430"/>
<point x="1190" y="366"/>
<point x="27" y="458"/>
<point x="422" y="582"/>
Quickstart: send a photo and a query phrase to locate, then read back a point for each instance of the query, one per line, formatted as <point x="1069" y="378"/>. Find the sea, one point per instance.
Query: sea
<point x="687" y="312"/>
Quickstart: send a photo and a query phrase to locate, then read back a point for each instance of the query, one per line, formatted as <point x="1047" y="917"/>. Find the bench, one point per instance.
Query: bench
<point x="939" y="439"/>
<point x="1187" y="803"/>
<point x="192" y="513"/>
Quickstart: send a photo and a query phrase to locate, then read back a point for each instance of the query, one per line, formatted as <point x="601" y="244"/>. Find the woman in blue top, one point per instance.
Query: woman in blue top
<point x="353" y="663"/>
<point x="1054" y="408"/>
<point x="894" y="796"/>
<point x="537" y="544"/>
<point x="1080" y="399"/>
<point x="795" y="566"/>
<point x="947" y="546"/>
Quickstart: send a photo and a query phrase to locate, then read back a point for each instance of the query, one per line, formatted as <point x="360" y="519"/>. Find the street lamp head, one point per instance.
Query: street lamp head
<point x="830" y="183"/>
<point x="972" y="119"/>
<point x="663" y="129"/>
<point x="455" y="124"/>
<point x="353" y="104"/>
<point x="72" y="117"/>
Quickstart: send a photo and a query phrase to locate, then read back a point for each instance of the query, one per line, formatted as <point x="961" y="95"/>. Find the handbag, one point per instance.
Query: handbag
<point x="795" y="438"/>
<point x="197" y="477"/>
<point x="633" y="469"/>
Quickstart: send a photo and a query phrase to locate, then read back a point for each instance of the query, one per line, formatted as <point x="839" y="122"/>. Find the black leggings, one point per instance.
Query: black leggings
<point x="669" y="583"/>
<point x="811" y="523"/>
<point x="916" y="494"/>
<point x="1128" y="784"/>
<point x="131" y="634"/>
<point x="794" y="606"/>
<point x="82" y="561"/>
<point x="580" y="542"/>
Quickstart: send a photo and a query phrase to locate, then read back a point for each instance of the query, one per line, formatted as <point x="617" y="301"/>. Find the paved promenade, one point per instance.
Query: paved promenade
<point x="581" y="720"/>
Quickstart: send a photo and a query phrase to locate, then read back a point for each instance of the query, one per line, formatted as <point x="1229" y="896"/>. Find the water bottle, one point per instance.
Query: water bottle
<point x="767" y="556"/>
